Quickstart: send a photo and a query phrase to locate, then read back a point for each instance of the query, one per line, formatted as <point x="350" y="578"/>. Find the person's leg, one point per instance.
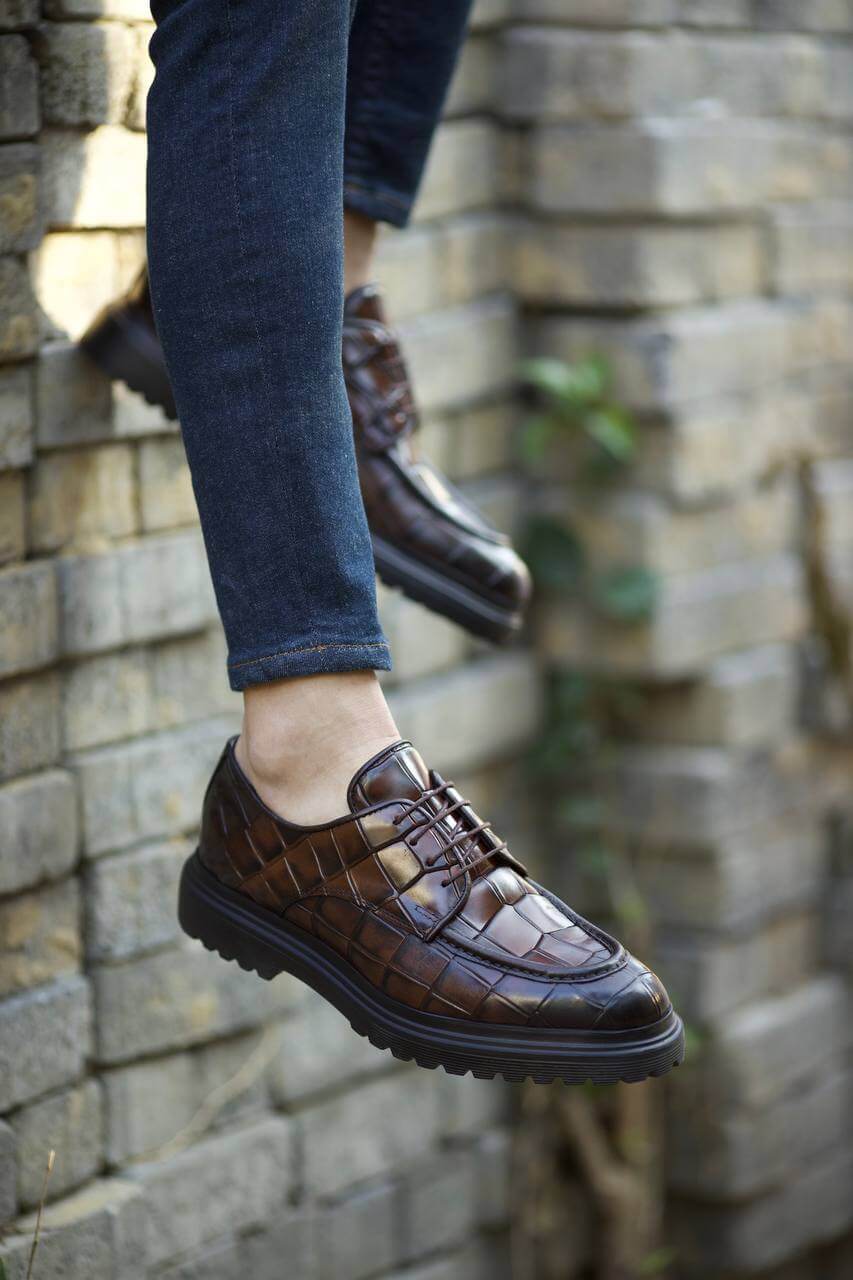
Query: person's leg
<point x="245" y="128"/>
<point x="401" y="59"/>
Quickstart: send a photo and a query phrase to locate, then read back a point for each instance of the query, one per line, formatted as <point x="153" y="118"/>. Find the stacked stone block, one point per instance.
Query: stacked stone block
<point x="205" y="1123"/>
<point x="684" y="210"/>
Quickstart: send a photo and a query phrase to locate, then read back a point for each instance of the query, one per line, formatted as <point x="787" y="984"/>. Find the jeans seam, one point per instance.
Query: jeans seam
<point x="357" y="136"/>
<point x="251" y="278"/>
<point x="312" y="648"/>
<point x="382" y="193"/>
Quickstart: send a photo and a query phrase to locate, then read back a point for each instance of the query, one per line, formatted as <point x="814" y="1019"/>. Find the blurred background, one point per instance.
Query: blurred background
<point x="626" y="300"/>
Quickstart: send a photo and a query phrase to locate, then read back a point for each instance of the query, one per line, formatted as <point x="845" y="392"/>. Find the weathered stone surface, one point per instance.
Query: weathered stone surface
<point x="320" y="1054"/>
<point x="257" y="1253"/>
<point x="28" y="639"/>
<point x="94" y="179"/>
<point x="69" y="1123"/>
<point x="72" y="398"/>
<point x="240" y="1178"/>
<point x="633" y="528"/>
<point x="151" y="589"/>
<point x="96" y="1234"/>
<point x="422" y="642"/>
<point x="471" y="716"/>
<point x="678" y="167"/>
<point x="438" y="1205"/>
<point x="150" y="1105"/>
<point x="12" y="517"/>
<point x="38" y="829"/>
<point x="461" y="170"/>
<point x="358" y="1236"/>
<point x="19" y="326"/>
<point x="39" y="936"/>
<point x="177" y="998"/>
<point x="729" y="1155"/>
<point x="746" y="699"/>
<point x="16" y="417"/>
<point x="710" y="976"/>
<point x="165" y="490"/>
<point x="75" y="273"/>
<point x="811" y="246"/>
<point x="696" y="618"/>
<point x="81" y="498"/>
<point x="662" y="363"/>
<point x="461" y="355"/>
<point x="748" y="877"/>
<point x="29" y="723"/>
<point x="189" y="680"/>
<point x="87" y="72"/>
<point x="18" y="14"/>
<point x="365" y="1145"/>
<point x="44" y="1039"/>
<point x="599" y="13"/>
<point x="8" y="1174"/>
<point x="131" y="900"/>
<point x="20" y="213"/>
<point x="148" y="788"/>
<point x="19" y="101"/>
<point x="813" y="1207"/>
<point x="644" y="265"/>
<point x="553" y="75"/>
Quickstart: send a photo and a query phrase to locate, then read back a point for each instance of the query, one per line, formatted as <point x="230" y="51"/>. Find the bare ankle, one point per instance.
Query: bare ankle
<point x="359" y="246"/>
<point x="304" y="738"/>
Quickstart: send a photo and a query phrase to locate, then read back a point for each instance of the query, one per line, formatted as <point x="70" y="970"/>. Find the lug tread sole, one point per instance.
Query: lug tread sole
<point x="667" y="1057"/>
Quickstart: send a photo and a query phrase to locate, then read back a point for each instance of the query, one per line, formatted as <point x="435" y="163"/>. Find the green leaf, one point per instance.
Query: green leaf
<point x="536" y="435"/>
<point x="580" y="811"/>
<point x="658" y="1261"/>
<point x="626" y="595"/>
<point x="570" y="385"/>
<point x="553" y="553"/>
<point x="612" y="431"/>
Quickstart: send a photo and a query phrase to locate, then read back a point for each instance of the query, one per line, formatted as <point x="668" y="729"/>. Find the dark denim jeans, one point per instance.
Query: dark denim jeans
<point x="262" y="114"/>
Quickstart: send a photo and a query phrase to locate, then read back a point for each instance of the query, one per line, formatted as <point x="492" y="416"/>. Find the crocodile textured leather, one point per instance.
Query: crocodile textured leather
<point x="407" y="501"/>
<point x="415" y="892"/>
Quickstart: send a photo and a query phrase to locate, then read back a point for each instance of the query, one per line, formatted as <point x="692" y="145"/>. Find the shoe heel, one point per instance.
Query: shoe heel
<point x="123" y="353"/>
<point x="202" y="917"/>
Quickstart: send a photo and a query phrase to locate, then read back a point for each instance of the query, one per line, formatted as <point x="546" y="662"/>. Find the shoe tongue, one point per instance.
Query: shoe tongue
<point x="397" y="773"/>
<point x="365" y="303"/>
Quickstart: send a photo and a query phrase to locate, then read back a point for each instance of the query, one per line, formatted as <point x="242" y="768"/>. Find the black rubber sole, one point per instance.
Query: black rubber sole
<point x="429" y="587"/>
<point x="231" y="924"/>
<point x="127" y="352"/>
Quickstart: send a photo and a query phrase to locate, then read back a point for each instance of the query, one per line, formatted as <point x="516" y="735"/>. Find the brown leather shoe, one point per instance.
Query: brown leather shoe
<point x="122" y="340"/>
<point x="414" y="920"/>
<point x="427" y="539"/>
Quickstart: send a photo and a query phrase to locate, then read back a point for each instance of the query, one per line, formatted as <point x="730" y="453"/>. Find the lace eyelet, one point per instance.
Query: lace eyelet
<point x="445" y="883"/>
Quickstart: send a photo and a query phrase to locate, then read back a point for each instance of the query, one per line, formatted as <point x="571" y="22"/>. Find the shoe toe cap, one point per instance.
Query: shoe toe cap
<point x="639" y="1000"/>
<point x="628" y="998"/>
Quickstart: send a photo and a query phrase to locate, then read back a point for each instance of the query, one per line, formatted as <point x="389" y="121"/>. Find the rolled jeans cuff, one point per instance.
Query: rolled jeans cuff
<point x="377" y="202"/>
<point x="312" y="660"/>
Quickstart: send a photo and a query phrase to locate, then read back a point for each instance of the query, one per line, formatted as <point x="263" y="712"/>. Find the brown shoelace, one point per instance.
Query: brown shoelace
<point x="397" y="395"/>
<point x="458" y="870"/>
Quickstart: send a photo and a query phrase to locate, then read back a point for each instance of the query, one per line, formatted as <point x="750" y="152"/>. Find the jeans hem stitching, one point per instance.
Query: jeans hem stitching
<point x="312" y="648"/>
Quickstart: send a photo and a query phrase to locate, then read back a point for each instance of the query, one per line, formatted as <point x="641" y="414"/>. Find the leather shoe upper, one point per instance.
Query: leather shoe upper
<point x="407" y="501"/>
<point x="421" y="897"/>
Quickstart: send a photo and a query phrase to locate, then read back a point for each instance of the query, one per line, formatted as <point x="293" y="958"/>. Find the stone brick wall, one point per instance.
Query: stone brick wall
<point x="664" y="181"/>
<point x="205" y="1124"/>
<point x="684" y="209"/>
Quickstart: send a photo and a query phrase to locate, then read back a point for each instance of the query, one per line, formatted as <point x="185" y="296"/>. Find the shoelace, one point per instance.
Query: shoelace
<point x="398" y="401"/>
<point x="457" y="870"/>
